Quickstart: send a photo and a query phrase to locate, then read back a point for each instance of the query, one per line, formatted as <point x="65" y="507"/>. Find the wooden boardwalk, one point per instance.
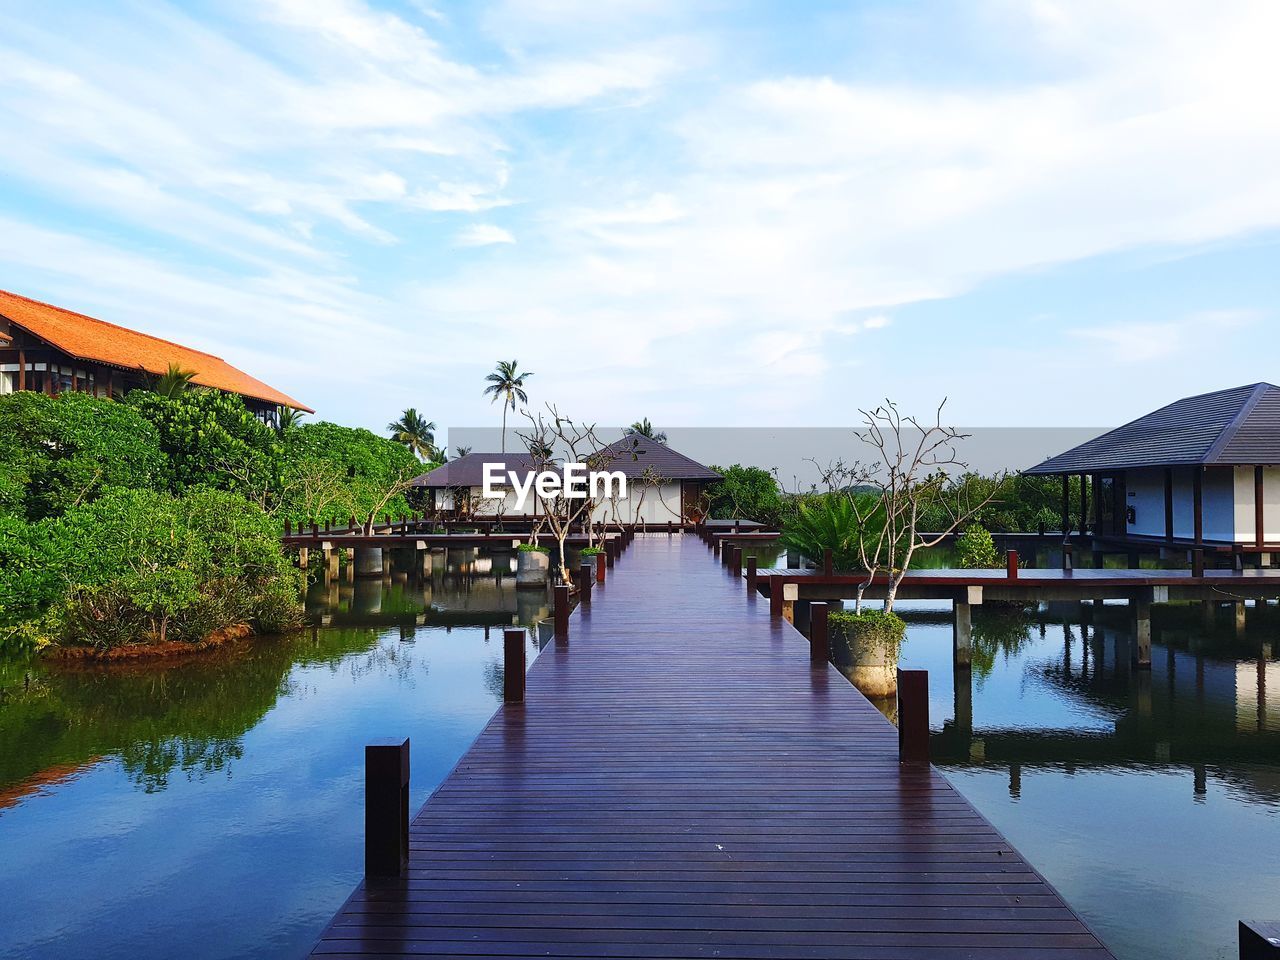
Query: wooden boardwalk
<point x="682" y="783"/>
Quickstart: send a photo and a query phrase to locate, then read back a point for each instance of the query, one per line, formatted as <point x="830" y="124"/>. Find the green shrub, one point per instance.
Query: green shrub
<point x="975" y="549"/>
<point x="142" y="566"/>
<point x="591" y="551"/>
<point x="210" y="439"/>
<point x="56" y="452"/>
<point x="746" y="493"/>
<point x="871" y="629"/>
<point x="837" y="523"/>
<point x="532" y="548"/>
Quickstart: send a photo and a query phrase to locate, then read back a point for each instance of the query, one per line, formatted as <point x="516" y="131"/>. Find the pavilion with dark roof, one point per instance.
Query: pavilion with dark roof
<point x="1200" y="472"/>
<point x="663" y="485"/>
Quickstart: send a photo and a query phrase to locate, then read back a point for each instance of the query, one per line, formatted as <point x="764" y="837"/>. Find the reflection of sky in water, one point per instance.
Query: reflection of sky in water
<point x="213" y="808"/>
<point x="1152" y="802"/>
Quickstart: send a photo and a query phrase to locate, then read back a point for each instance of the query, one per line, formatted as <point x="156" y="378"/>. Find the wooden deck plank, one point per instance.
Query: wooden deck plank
<point x="681" y="782"/>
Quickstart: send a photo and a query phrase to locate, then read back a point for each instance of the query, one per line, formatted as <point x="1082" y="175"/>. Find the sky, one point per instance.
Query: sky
<point x="704" y="213"/>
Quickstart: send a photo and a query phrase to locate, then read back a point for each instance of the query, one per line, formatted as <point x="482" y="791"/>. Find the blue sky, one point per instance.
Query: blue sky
<point x="1059" y="213"/>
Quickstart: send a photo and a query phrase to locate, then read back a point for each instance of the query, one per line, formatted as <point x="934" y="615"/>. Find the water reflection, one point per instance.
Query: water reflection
<point x="222" y="793"/>
<point x="1151" y="798"/>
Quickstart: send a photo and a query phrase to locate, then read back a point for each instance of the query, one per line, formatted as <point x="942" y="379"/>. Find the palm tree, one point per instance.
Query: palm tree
<point x="173" y="382"/>
<point x="506" y="383"/>
<point x="415" y="432"/>
<point x="288" y="418"/>
<point x="643" y="428"/>
<point x="461" y="452"/>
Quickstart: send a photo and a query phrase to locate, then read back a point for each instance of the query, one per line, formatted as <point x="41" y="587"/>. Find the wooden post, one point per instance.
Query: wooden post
<point x="287" y="528"/>
<point x="586" y="577"/>
<point x="819" y="638"/>
<point x="1011" y="564"/>
<point x="669" y="530"/>
<point x="1141" y="610"/>
<point x="513" y="666"/>
<point x="735" y="562"/>
<point x="610" y="553"/>
<point x="775" y="598"/>
<point x="561" y="594"/>
<point x="1259" y="940"/>
<point x="1066" y="506"/>
<point x="913" y="714"/>
<point x="752" y="576"/>
<point x="828" y="564"/>
<point x="1197" y="562"/>
<point x="386" y="809"/>
<point x="600" y="567"/>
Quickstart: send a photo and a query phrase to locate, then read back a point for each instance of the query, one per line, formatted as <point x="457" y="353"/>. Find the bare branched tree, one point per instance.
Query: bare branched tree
<point x="916" y="460"/>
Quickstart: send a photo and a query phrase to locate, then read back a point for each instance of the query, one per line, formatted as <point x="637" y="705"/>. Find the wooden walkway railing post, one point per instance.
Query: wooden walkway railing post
<point x="775" y="598"/>
<point x="600" y="567"/>
<point x="386" y="809"/>
<point x="913" y="714"/>
<point x="586" y="579"/>
<point x="513" y="666"/>
<point x="561" y="593"/>
<point x="828" y="564"/>
<point x="752" y="575"/>
<point x="610" y="553"/>
<point x="1011" y="564"/>
<point x="819" y="638"/>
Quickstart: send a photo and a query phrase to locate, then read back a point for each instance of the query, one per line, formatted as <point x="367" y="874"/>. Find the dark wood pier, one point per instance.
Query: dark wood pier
<point x="682" y="781"/>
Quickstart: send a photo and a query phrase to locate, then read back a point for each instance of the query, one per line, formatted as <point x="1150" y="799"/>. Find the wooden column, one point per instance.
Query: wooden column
<point x="561" y="594"/>
<point x="1011" y="564"/>
<point x="913" y="714"/>
<point x="586" y="579"/>
<point x="386" y="809"/>
<point x="1084" y="505"/>
<point x="22" y="370"/>
<point x="775" y="598"/>
<point x="601" y="565"/>
<point x="1168" y="503"/>
<point x="1066" y="506"/>
<point x="751" y="574"/>
<point x="513" y="666"/>
<point x="819" y="638"/>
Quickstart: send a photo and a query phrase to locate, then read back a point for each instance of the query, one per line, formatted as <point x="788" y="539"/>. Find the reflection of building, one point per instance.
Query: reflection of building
<point x="50" y="350"/>
<point x="662" y="484"/>
<point x="1204" y="470"/>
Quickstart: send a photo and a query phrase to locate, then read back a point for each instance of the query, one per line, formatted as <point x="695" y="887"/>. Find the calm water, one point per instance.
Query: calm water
<point x="213" y="808"/>
<point x="1151" y="800"/>
<point x="215" y="804"/>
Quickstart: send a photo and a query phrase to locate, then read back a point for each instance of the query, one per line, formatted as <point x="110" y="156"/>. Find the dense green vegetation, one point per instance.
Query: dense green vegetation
<point x="975" y="548"/>
<point x="158" y="519"/>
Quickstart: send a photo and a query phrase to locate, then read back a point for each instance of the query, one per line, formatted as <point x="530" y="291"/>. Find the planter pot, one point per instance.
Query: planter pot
<point x="533" y="569"/>
<point x="871" y="655"/>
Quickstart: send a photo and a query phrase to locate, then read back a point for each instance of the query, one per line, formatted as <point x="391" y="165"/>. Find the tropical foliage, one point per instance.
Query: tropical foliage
<point x="975" y="549"/>
<point x="506" y="383"/>
<point x="748" y="493"/>
<point x="643" y="428"/>
<point x="416" y="432"/>
<point x="847" y="526"/>
<point x="158" y="519"/>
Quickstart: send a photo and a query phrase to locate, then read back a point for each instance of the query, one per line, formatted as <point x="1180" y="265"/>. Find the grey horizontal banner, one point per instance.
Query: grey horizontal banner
<point x="790" y="451"/>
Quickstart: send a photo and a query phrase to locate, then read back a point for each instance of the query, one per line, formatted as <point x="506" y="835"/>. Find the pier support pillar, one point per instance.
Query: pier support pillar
<point x="368" y="562"/>
<point x="1241" y="617"/>
<point x="1141" y="610"/>
<point x="427" y="565"/>
<point x="304" y="557"/>
<point x="962" y="701"/>
<point x="962" y="635"/>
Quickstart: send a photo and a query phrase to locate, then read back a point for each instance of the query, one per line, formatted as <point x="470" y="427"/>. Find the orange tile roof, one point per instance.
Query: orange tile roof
<point x="87" y="338"/>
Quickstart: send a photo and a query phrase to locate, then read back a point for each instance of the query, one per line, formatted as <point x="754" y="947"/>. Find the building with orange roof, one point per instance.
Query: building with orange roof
<point x="52" y="350"/>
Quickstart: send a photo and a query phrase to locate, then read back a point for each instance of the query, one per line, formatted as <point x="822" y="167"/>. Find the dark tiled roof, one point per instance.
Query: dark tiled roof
<point x="1240" y="425"/>
<point x="468" y="471"/>
<point x="634" y="454"/>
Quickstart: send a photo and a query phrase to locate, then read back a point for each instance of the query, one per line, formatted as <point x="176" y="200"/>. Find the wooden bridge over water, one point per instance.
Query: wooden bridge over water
<point x="682" y="781"/>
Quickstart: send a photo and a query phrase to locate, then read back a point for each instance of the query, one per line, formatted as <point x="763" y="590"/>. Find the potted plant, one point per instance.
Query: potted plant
<point x="533" y="565"/>
<point x="873" y="640"/>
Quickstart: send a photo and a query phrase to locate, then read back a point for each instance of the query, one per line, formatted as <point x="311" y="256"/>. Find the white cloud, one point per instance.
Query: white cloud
<point x="482" y="235"/>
